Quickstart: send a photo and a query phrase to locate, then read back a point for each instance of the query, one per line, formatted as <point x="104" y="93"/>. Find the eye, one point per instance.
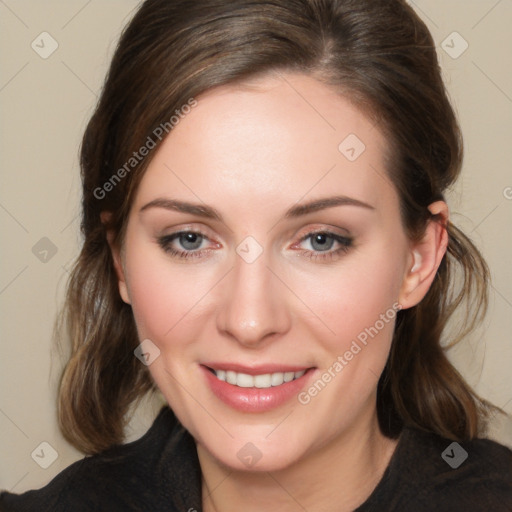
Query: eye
<point x="184" y="244"/>
<point x="321" y="241"/>
<point x="322" y="244"/>
<point x="189" y="244"/>
<point x="190" y="241"/>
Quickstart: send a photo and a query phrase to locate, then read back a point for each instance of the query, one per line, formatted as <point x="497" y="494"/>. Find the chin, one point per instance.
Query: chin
<point x="255" y="457"/>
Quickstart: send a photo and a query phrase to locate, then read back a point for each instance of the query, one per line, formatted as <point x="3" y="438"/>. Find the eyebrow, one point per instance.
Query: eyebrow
<point x="322" y="204"/>
<point x="202" y="210"/>
<point x="184" y="207"/>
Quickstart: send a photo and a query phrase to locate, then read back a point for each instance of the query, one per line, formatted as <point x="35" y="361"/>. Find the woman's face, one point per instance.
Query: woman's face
<point x="265" y="244"/>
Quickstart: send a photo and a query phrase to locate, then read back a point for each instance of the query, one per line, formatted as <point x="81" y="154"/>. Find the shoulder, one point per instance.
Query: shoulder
<point x="476" y="472"/>
<point x="429" y="472"/>
<point x="117" y="479"/>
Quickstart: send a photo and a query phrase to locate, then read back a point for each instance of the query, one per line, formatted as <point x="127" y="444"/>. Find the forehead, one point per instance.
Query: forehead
<point x="277" y="138"/>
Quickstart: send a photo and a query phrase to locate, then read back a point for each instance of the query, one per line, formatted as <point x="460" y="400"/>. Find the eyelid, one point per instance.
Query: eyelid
<point x="212" y="243"/>
<point x="305" y="233"/>
<point x="192" y="227"/>
<point x="343" y="241"/>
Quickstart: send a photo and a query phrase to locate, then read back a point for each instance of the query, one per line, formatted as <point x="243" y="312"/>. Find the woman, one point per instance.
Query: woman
<point x="266" y="242"/>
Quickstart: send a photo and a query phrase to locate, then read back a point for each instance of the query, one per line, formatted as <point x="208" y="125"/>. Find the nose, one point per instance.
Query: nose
<point x="254" y="307"/>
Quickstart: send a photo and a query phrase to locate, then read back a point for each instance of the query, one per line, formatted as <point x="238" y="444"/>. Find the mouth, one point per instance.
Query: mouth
<point x="256" y="389"/>
<point x="260" y="381"/>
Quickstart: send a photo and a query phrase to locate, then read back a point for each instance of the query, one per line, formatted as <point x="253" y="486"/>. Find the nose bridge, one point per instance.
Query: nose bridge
<point x="253" y="304"/>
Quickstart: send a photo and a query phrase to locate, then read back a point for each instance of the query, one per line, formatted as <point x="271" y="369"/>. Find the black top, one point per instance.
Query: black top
<point x="160" y="472"/>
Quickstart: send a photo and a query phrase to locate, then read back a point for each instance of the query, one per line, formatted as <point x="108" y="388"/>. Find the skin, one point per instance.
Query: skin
<point x="253" y="151"/>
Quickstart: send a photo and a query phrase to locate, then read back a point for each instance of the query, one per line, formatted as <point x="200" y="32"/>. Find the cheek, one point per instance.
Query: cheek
<point x="359" y="305"/>
<point x="355" y="296"/>
<point x="161" y="295"/>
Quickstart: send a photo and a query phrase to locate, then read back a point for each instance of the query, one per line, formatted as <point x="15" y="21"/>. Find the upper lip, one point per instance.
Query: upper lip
<point x="259" y="369"/>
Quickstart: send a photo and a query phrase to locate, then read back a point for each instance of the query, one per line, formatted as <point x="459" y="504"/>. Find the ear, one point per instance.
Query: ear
<point x="117" y="259"/>
<point x="425" y="257"/>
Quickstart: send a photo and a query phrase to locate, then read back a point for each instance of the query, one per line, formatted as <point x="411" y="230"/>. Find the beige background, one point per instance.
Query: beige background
<point x="45" y="104"/>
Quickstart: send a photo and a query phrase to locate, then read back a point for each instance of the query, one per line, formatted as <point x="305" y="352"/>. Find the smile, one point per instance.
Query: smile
<point x="266" y="380"/>
<point x="255" y="389"/>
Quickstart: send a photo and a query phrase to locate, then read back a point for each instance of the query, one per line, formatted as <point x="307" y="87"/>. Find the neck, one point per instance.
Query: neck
<point x="339" y="476"/>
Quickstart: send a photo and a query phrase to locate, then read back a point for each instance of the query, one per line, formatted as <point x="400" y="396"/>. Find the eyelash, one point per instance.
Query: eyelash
<point x="345" y="245"/>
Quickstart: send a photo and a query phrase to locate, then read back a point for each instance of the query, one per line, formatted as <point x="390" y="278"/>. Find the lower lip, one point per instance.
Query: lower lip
<point x="254" y="399"/>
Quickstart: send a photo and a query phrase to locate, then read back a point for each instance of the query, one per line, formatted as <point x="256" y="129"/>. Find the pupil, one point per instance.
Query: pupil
<point x="190" y="241"/>
<point x="321" y="242"/>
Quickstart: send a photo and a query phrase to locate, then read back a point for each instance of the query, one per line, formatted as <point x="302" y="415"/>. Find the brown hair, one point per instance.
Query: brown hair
<point x="379" y="54"/>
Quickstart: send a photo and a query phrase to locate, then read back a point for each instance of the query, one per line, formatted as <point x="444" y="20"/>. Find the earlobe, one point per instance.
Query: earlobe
<point x="117" y="259"/>
<point x="425" y="257"/>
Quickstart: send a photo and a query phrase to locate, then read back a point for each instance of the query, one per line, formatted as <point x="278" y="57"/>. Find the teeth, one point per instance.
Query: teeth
<point x="263" y="381"/>
<point x="289" y="376"/>
<point x="267" y="380"/>
<point x="244" y="381"/>
<point x="277" y="379"/>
